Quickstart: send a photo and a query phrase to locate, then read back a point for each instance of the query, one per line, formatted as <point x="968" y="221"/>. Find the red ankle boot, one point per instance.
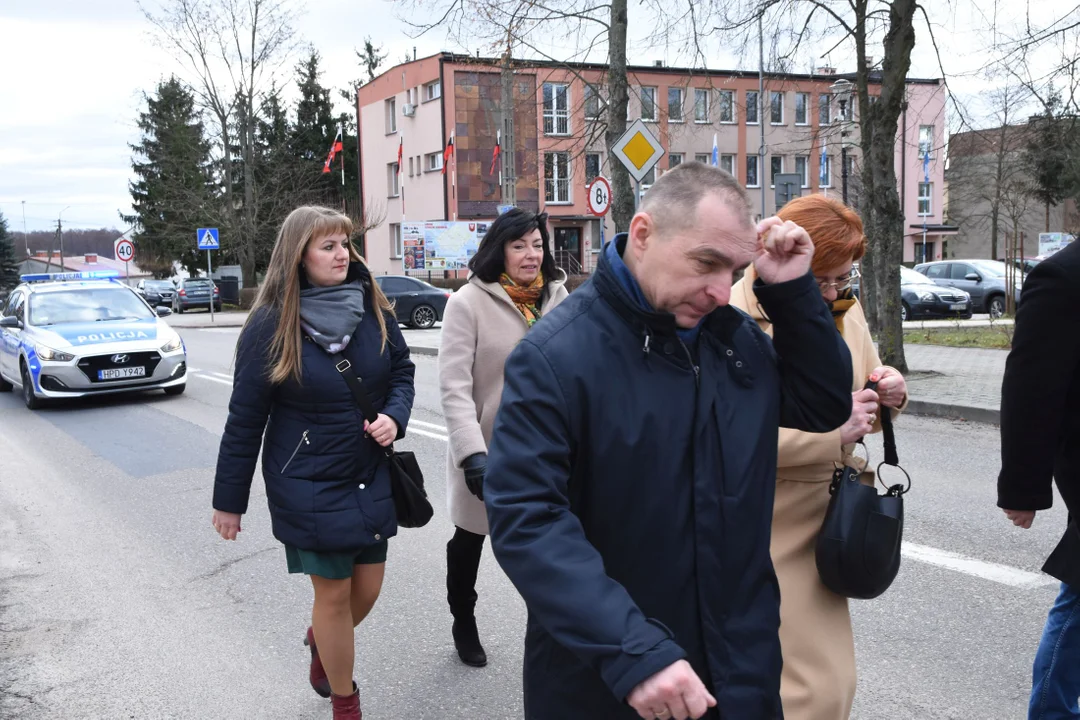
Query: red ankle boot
<point x="347" y="707"/>
<point x="316" y="674"/>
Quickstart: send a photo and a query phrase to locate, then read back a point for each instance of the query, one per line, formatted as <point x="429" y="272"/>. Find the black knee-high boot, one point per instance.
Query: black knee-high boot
<point x="462" y="564"/>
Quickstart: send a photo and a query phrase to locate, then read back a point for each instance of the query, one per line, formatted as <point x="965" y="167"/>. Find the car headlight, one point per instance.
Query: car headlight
<point x="175" y="344"/>
<point x="47" y="353"/>
<point x="927" y="296"/>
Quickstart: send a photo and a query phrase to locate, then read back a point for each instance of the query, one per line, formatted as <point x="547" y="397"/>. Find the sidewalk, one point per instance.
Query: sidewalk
<point x="948" y="382"/>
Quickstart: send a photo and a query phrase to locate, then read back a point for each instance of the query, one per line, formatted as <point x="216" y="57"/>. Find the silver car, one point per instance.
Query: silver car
<point x="66" y="335"/>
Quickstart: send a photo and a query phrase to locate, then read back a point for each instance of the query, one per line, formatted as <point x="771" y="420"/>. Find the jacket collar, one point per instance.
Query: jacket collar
<point x="496" y="290"/>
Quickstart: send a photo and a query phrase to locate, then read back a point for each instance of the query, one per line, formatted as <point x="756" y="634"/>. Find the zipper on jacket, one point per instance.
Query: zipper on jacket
<point x="690" y="358"/>
<point x="303" y="441"/>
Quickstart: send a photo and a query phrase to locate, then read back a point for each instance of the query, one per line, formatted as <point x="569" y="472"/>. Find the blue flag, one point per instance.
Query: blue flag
<point x="823" y="174"/>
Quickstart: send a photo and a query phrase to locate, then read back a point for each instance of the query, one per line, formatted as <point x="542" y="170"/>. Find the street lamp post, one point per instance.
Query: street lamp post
<point x="841" y="90"/>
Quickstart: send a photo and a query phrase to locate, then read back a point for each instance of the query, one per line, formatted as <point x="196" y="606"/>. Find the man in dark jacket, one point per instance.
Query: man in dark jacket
<point x="1040" y="443"/>
<point x="631" y="474"/>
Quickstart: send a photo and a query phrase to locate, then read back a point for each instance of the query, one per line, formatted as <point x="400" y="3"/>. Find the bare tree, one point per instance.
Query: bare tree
<point x="987" y="165"/>
<point x="232" y="50"/>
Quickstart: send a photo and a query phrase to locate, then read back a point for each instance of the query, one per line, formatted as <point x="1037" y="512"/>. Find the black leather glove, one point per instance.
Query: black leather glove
<point x="475" y="466"/>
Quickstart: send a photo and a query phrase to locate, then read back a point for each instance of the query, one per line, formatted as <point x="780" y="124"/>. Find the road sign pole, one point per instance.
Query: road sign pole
<point x="210" y="276"/>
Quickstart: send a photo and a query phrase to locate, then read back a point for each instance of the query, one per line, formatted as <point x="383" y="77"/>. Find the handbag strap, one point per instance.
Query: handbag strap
<point x="891" y="458"/>
<point x="356" y="386"/>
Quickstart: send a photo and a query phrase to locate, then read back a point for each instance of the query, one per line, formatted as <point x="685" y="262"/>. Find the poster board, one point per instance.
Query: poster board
<point x="440" y="245"/>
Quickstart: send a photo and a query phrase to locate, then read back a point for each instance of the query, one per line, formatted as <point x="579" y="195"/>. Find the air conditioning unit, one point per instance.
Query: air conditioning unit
<point x="408" y="109"/>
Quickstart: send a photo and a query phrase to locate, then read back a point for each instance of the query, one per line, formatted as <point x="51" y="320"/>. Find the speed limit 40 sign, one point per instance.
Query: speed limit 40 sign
<point x="599" y="196"/>
<point x="124" y="250"/>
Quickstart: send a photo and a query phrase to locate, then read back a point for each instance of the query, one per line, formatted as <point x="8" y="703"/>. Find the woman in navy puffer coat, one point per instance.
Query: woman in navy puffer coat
<point x="327" y="478"/>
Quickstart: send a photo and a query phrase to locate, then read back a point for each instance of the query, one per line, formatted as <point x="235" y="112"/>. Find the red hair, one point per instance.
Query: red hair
<point x="835" y="229"/>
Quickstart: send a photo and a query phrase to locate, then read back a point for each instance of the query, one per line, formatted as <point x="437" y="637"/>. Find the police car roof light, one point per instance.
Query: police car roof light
<point x="60" y="277"/>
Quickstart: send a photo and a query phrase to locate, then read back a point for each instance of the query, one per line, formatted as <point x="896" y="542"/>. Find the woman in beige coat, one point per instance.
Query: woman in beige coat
<point x="818" y="681"/>
<point x="513" y="283"/>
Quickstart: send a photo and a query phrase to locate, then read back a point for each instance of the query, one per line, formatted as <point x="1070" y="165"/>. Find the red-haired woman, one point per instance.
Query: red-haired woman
<point x="818" y="681"/>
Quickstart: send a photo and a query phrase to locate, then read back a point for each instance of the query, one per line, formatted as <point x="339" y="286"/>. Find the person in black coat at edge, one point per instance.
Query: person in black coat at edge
<point x="327" y="476"/>
<point x="1040" y="443"/>
<point x="630" y="478"/>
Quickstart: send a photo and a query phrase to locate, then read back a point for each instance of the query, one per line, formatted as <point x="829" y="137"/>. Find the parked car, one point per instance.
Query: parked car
<point x="923" y="298"/>
<point x="983" y="280"/>
<point x="416" y="302"/>
<point x="195" y="293"/>
<point x="156" y="292"/>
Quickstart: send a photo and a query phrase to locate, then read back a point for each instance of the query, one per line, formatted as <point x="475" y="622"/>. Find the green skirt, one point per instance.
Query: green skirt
<point x="330" y="565"/>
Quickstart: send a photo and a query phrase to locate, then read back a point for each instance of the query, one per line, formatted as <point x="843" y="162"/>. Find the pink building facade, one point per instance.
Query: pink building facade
<point x="560" y="145"/>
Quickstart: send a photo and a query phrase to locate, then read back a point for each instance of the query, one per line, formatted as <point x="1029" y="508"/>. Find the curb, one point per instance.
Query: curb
<point x="209" y="326"/>
<point x="421" y="350"/>
<point x="989" y="416"/>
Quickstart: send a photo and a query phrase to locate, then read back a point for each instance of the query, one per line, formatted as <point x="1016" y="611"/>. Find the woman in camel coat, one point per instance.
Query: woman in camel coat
<point x="818" y="681"/>
<point x="514" y="282"/>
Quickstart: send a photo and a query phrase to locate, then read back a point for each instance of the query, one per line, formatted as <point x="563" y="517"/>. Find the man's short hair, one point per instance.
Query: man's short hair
<point x="673" y="200"/>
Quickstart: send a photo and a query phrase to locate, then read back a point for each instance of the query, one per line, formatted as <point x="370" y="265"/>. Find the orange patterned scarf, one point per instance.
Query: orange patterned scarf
<point x="526" y="298"/>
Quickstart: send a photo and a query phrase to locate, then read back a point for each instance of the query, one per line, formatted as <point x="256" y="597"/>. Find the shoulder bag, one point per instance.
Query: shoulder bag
<point x="406" y="481"/>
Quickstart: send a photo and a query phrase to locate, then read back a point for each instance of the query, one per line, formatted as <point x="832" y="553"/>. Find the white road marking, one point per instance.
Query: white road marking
<point x="214" y="379"/>
<point x="223" y="375"/>
<point x="1003" y="574"/>
<point x="425" y="433"/>
<point x="429" y="426"/>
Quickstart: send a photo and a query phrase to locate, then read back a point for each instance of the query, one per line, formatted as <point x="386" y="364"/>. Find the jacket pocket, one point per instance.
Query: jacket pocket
<point x="303" y="441"/>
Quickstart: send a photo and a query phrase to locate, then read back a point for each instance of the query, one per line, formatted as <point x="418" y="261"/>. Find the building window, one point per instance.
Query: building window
<point x="397" y="247"/>
<point x="824" y="107"/>
<point x="777" y="168"/>
<point x="776" y="108"/>
<point x="850" y="165"/>
<point x="556" y="109"/>
<point x="727" y="106"/>
<point x="434" y="161"/>
<point x="925" y="205"/>
<point x="648" y="104"/>
<point x="592" y="167"/>
<point x="411" y="163"/>
<point x="649" y="179"/>
<point x="703" y="158"/>
<point x="752" y="179"/>
<point x="802" y="108"/>
<point x="752" y="107"/>
<point x="701" y="105"/>
<point x="433" y="90"/>
<point x="675" y="104"/>
<point x="557" y="177"/>
<point x="825" y="174"/>
<point x="674" y="160"/>
<point x="391" y="116"/>
<point x="727" y="162"/>
<point x="849" y="108"/>
<point x="926" y="141"/>
<point x="802" y="169"/>
<point x="393" y="180"/>
<point x="592" y="103"/>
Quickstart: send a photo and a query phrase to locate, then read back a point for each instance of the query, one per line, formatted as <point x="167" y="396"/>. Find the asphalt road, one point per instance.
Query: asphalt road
<point x="118" y="600"/>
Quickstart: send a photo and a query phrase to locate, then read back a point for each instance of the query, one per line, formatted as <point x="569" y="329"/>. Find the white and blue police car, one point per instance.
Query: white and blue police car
<point x="66" y="335"/>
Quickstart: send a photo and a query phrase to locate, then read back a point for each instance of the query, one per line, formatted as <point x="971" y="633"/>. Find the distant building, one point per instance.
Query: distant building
<point x="414" y="108"/>
<point x="42" y="262"/>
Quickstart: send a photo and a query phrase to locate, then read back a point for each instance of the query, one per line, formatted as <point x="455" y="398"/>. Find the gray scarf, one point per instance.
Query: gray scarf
<point x="329" y="315"/>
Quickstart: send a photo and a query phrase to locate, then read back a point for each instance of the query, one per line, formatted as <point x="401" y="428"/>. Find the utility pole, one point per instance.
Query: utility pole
<point x="25" y="237"/>
<point x="509" y="175"/>
<point x="60" y="235"/>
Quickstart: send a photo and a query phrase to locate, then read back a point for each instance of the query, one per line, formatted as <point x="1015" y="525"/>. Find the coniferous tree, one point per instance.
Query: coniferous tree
<point x="174" y="191"/>
<point x="9" y="266"/>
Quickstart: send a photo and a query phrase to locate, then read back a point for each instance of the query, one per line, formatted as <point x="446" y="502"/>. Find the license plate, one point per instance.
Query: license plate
<point x="121" y="373"/>
<point x="961" y="306"/>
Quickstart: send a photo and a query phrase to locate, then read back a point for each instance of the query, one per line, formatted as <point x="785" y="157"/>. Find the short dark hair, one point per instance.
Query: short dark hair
<point x="674" y="198"/>
<point x="489" y="262"/>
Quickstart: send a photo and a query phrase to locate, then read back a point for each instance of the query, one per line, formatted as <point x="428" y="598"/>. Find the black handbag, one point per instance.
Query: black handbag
<point x="858" y="548"/>
<point x="406" y="480"/>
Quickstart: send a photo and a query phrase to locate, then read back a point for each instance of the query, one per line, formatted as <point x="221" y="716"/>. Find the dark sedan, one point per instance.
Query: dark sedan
<point x="923" y="298"/>
<point x="157" y="292"/>
<point x="416" y="302"/>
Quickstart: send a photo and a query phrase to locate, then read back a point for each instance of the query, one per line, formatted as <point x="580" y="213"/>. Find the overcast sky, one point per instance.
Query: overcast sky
<point x="74" y="73"/>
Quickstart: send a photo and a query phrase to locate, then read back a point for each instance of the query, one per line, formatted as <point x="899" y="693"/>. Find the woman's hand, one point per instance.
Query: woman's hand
<point x="383" y="430"/>
<point x="892" y="388"/>
<point x="864" y="406"/>
<point x="227" y="524"/>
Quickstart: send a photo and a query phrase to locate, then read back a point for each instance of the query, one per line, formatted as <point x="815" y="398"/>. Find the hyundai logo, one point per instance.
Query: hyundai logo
<point x="119" y="359"/>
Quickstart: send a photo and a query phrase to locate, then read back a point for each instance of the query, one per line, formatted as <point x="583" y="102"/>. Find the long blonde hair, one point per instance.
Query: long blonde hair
<point x="280" y="291"/>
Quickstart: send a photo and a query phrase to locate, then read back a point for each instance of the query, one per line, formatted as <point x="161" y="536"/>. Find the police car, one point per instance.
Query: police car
<point x="65" y="335"/>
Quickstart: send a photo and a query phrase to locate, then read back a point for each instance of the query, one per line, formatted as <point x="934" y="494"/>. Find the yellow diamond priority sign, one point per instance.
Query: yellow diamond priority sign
<point x="638" y="150"/>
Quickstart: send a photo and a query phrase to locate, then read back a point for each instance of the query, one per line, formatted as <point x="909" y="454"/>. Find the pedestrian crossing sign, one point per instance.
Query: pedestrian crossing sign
<point x="207" y="239"/>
